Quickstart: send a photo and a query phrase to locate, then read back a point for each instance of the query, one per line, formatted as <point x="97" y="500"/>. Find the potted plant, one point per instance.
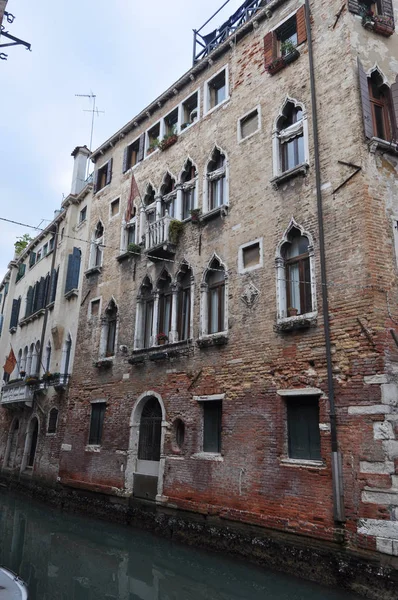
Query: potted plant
<point x="383" y="25"/>
<point x="22" y="374"/>
<point x="153" y="145"/>
<point x="47" y="376"/>
<point x="367" y="17"/>
<point x="195" y="215"/>
<point x="289" y="52"/>
<point x="161" y="339"/>
<point x="33" y="380"/>
<point x="134" y="248"/>
<point x="168" y="140"/>
<point x="292" y="312"/>
<point x="276" y="65"/>
<point x="175" y="229"/>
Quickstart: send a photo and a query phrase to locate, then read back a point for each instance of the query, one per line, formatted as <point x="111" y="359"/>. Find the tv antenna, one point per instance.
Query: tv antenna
<point x="94" y="111"/>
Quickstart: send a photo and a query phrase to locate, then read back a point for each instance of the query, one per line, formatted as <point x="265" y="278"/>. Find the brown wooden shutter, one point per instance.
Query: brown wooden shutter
<point x="125" y="158"/>
<point x="109" y="172"/>
<point x="95" y="190"/>
<point x="301" y="26"/>
<point x="366" y="108"/>
<point x="387" y="8"/>
<point x="141" y="148"/>
<point x="353" y="6"/>
<point x="394" y="106"/>
<point x="269" y="48"/>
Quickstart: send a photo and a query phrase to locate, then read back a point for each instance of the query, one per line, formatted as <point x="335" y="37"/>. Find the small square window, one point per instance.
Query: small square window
<point x="115" y="207"/>
<point x="97" y="422"/>
<point x="212" y="413"/>
<point x="217" y="90"/>
<point x="83" y="215"/>
<point x="250" y="256"/>
<point x="304" y="440"/>
<point x="249" y="124"/>
<point x="190" y="111"/>
<point x="95" y="307"/>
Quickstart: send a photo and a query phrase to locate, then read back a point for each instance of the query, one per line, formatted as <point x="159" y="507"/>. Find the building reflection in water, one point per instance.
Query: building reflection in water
<point x="68" y="557"/>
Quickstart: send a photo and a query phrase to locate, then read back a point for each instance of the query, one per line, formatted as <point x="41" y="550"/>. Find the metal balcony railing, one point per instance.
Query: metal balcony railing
<point x="157" y="233"/>
<point x="203" y="44"/>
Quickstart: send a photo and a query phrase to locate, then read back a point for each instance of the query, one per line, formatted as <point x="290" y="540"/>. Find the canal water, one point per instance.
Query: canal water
<point x="68" y="557"/>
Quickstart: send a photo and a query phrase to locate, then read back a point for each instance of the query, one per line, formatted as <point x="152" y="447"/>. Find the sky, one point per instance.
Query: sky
<point x="124" y="51"/>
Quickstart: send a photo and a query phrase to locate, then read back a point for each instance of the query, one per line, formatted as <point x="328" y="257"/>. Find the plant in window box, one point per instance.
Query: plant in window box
<point x="383" y="25"/>
<point x="153" y="145"/>
<point x="103" y="363"/>
<point x="161" y="339"/>
<point x="168" y="140"/>
<point x="32" y="380"/>
<point x="289" y="52"/>
<point x="175" y="230"/>
<point x="134" y="248"/>
<point x="47" y="377"/>
<point x="195" y="215"/>
<point x="292" y="312"/>
<point x="277" y="65"/>
<point x="22" y="374"/>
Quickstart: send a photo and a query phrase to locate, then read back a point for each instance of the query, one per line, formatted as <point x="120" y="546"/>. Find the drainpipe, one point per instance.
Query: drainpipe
<point x="45" y="319"/>
<point x="337" y="471"/>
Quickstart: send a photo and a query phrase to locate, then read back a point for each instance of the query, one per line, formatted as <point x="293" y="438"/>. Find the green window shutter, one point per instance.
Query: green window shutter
<point x="353" y="6"/>
<point x="212" y="412"/>
<point x="15" y="313"/>
<point x="21" y="271"/>
<point x="109" y="172"/>
<point x="125" y="159"/>
<point x="97" y="422"/>
<point x="32" y="259"/>
<point x="141" y="148"/>
<point x="41" y="293"/>
<point x="29" y="302"/>
<point x="303" y="428"/>
<point x="73" y="271"/>
<point x="53" y="284"/>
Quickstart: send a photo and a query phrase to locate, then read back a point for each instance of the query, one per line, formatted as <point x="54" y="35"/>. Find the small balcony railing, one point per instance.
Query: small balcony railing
<point x="157" y="233"/>
<point x="16" y="392"/>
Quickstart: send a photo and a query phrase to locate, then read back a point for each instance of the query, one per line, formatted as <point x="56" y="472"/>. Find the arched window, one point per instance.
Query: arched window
<point x="290" y="138"/>
<point x="52" y="420"/>
<point x="150" y="431"/>
<point x="169" y="194"/>
<point x="188" y="183"/>
<point x="165" y="307"/>
<point x="214" y="299"/>
<point x="144" y="315"/>
<point x="184" y="298"/>
<point x="29" y="361"/>
<point x="379" y="96"/>
<point x="295" y="279"/>
<point x="109" y="330"/>
<point x="97" y="246"/>
<point x="216" y="181"/>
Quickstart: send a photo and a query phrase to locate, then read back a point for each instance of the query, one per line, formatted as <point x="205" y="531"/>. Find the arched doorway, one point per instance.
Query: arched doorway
<point x="144" y="473"/>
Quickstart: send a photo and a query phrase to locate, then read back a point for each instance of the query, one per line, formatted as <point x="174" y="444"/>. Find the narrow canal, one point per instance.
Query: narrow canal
<point x="68" y="557"/>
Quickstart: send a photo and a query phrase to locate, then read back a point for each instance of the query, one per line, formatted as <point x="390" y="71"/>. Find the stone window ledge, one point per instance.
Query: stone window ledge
<point x="13" y="329"/>
<point x="299" y="170"/>
<point x="210" y="456"/>
<point x="71" y="293"/>
<point x="92" y="448"/>
<point x="301" y="462"/>
<point x="32" y="317"/>
<point x="93" y="271"/>
<point x="216" y="212"/>
<point x="167" y="351"/>
<point x="294" y="323"/>
<point x="125" y="255"/>
<point x="217" y="339"/>
<point x="379" y="144"/>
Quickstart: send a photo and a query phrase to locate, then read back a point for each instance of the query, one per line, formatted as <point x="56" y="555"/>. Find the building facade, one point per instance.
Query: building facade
<point x="236" y="349"/>
<point x="40" y="306"/>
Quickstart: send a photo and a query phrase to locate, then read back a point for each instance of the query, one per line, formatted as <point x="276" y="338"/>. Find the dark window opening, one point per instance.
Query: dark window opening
<point x="97" y="422"/>
<point x="179" y="432"/>
<point x="111" y="323"/>
<point x="184" y="304"/>
<point x="303" y="428"/>
<point x="217" y="89"/>
<point x="216" y="298"/>
<point x="379" y="96"/>
<point x="52" y="421"/>
<point x="212" y="414"/>
<point x="150" y="431"/>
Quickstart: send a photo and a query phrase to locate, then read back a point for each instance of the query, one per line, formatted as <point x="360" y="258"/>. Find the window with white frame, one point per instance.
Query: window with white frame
<point x="184" y="303"/>
<point x="169" y="196"/>
<point x="144" y="315"/>
<point x="295" y="274"/>
<point x="216" y="89"/>
<point x="188" y="189"/>
<point x="189" y="111"/>
<point x="290" y="138"/>
<point x="97" y="246"/>
<point x="153" y="135"/>
<point x="216" y="181"/>
<point x="214" y="299"/>
<point x="251" y="256"/>
<point x="165" y="307"/>
<point x="170" y="123"/>
<point x="109" y="329"/>
<point x="249" y="124"/>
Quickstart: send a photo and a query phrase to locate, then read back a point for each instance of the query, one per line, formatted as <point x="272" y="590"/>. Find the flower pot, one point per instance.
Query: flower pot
<point x="161" y="342"/>
<point x="164" y="144"/>
<point x="383" y="29"/>
<point x="291" y="56"/>
<point x="276" y="65"/>
<point x="292" y="312"/>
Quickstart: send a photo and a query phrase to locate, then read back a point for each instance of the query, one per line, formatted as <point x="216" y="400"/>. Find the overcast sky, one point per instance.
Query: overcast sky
<point x="126" y="52"/>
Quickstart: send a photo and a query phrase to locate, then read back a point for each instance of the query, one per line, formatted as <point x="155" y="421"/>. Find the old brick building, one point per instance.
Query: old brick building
<point x="235" y="350"/>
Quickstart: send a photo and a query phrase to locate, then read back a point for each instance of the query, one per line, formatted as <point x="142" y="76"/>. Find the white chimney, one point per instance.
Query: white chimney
<point x="80" y="154"/>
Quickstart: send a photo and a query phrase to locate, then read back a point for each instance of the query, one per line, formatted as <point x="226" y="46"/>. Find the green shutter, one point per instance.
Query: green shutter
<point x="303" y="428"/>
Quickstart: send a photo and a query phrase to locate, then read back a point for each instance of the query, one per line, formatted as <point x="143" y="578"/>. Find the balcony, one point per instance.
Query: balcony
<point x="158" y="244"/>
<point x="17" y="392"/>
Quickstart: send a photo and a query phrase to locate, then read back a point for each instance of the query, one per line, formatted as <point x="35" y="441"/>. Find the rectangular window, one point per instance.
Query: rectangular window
<point x="216" y="193"/>
<point x="171" y="123"/>
<point x="51" y="245"/>
<point x="132" y="155"/>
<point x="217" y="90"/>
<point x="287" y="36"/>
<point x="188" y="202"/>
<point x="148" y="316"/>
<point x="212" y="414"/>
<point x="216" y="308"/>
<point x="165" y="304"/>
<point x="103" y="176"/>
<point x="303" y="428"/>
<point x="153" y="138"/>
<point x="38" y="256"/>
<point x="45" y="249"/>
<point x="97" y="422"/>
<point x="249" y="124"/>
<point x="130" y="234"/>
<point x="95" y="306"/>
<point x="251" y="255"/>
<point x="190" y="111"/>
<point x="184" y="313"/>
<point x="115" y="207"/>
<point x="83" y="215"/>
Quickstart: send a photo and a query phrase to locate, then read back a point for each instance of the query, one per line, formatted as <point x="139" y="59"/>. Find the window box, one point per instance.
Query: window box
<point x="168" y="141"/>
<point x="295" y="323"/>
<point x="291" y="56"/>
<point x="383" y="25"/>
<point x="277" y="65"/>
<point x="104" y="363"/>
<point x="216" y="212"/>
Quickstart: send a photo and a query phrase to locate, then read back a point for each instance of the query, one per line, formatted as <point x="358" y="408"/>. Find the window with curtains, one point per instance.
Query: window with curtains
<point x="184" y="282"/>
<point x="216" y="298"/>
<point x="290" y="135"/>
<point x="169" y="194"/>
<point x="216" y="180"/>
<point x="379" y="96"/>
<point x="165" y="304"/>
<point x="97" y="246"/>
<point x="188" y="181"/>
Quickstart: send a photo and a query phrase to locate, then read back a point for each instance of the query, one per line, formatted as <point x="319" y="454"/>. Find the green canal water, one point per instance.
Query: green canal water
<point x="68" y="557"/>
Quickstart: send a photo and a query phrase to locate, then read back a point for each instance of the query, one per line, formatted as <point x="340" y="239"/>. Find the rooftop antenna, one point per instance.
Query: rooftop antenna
<point x="94" y="111"/>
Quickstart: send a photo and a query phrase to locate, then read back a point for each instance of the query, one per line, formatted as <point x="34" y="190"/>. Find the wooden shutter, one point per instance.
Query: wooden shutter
<point x="54" y="281"/>
<point x="301" y="25"/>
<point x="125" y="159"/>
<point x="366" y="108"/>
<point x="96" y="176"/>
<point x="141" y="148"/>
<point x="41" y="293"/>
<point x="14" y="313"/>
<point x="387" y="8"/>
<point x="21" y="271"/>
<point x="29" y="300"/>
<point x="269" y="48"/>
<point x="394" y="104"/>
<point x="109" y="172"/>
<point x="35" y="296"/>
<point x="353" y="6"/>
<point x="32" y="259"/>
<point x="72" y="274"/>
<point x="46" y="289"/>
<point x="303" y="428"/>
<point x="1" y="323"/>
